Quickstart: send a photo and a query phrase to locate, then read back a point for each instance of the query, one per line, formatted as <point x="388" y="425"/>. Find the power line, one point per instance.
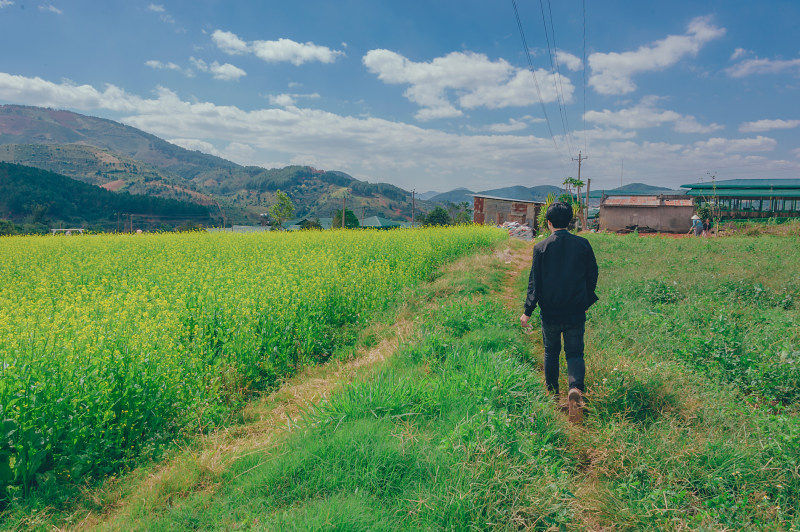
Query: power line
<point x="585" y="147"/>
<point x="536" y="81"/>
<point x="554" y="67"/>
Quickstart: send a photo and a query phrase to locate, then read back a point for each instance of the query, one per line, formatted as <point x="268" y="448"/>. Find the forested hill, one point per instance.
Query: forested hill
<point x="37" y="199"/>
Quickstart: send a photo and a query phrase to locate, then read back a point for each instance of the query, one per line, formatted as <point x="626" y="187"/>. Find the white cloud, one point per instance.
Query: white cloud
<point x="6" y="3"/>
<point x="796" y="152"/>
<point x="645" y="115"/>
<point x="472" y="79"/>
<point x="765" y="125"/>
<point x="286" y="100"/>
<point x="400" y="153"/>
<point x="163" y="15"/>
<point x="602" y="134"/>
<point x="739" y="52"/>
<point x="612" y="72"/>
<point x="196" y="145"/>
<point x="757" y="144"/>
<point x="283" y="100"/>
<point x="51" y="8"/>
<point x="158" y="65"/>
<point x="572" y="62"/>
<point x="199" y="64"/>
<point x="689" y="124"/>
<point x="750" y="67"/>
<point x="226" y="72"/>
<point x="282" y="50"/>
<point x="293" y="52"/>
<point x="36" y="91"/>
<point x="229" y="43"/>
<point x="511" y="125"/>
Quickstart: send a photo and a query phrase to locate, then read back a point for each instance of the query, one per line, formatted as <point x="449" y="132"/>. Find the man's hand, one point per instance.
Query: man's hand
<point x="524" y="321"/>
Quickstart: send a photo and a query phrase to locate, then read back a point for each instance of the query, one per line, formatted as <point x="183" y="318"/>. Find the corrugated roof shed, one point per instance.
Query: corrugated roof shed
<point x="646" y="201"/>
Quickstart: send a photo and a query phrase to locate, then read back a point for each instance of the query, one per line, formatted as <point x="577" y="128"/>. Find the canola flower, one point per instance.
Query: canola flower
<point x="112" y="345"/>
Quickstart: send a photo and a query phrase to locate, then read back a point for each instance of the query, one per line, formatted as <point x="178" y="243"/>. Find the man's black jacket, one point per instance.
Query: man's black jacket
<point x="563" y="277"/>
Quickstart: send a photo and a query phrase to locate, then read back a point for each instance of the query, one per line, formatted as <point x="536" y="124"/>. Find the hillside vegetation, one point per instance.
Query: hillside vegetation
<point x="36" y="199"/>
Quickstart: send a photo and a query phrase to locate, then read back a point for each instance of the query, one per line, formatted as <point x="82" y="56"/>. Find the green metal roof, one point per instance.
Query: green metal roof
<point x="376" y="221"/>
<point x="612" y="192"/>
<point x="760" y="184"/>
<point x="756" y="193"/>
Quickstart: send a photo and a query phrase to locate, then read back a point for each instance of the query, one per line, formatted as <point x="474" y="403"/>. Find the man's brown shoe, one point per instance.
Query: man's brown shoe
<point x="575" y="405"/>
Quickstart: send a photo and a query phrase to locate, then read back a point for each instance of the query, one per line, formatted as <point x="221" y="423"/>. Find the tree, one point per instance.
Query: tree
<point x="573" y="188"/>
<point x="282" y="209"/>
<point x="312" y="223"/>
<point x="350" y="220"/>
<point x="460" y="213"/>
<point x="541" y="220"/>
<point x="438" y="216"/>
<point x="7" y="227"/>
<point x="464" y="214"/>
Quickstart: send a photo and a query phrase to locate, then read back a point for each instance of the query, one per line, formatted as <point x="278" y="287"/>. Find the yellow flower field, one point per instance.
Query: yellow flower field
<point x="112" y="345"/>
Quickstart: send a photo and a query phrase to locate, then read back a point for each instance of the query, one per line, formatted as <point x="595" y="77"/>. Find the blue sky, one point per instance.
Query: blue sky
<point x="431" y="95"/>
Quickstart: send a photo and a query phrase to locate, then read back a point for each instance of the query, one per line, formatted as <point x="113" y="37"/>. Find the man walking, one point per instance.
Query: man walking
<point x="562" y="282"/>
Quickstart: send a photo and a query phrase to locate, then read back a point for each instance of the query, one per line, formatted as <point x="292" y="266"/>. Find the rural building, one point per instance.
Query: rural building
<point x="750" y="198"/>
<point x="646" y="213"/>
<point x="376" y="222"/>
<point x="297" y="223"/>
<point x="495" y="211"/>
<point x="239" y="229"/>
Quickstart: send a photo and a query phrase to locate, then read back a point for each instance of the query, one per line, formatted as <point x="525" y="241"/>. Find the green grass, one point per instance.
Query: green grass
<point x="693" y="382"/>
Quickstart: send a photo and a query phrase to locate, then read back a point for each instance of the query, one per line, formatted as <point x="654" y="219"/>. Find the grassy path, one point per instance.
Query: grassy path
<point x="672" y="443"/>
<point x="121" y="502"/>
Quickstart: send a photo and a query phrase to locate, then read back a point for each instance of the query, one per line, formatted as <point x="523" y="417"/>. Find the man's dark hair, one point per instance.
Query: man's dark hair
<point x="559" y="214"/>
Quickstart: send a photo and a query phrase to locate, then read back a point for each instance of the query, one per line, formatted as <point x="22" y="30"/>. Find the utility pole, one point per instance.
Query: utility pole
<point x="413" y="205"/>
<point x="344" y="208"/>
<point x="621" y="169"/>
<point x="580" y="159"/>
<point x="588" y="187"/>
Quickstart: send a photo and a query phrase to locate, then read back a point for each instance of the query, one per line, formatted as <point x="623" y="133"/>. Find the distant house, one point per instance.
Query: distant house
<point x="376" y="222"/>
<point x="750" y="198"/>
<point x="495" y="211"/>
<point x="654" y="213"/>
<point x="239" y="229"/>
<point x="297" y="223"/>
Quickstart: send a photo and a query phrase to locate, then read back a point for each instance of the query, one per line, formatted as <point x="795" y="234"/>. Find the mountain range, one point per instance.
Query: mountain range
<point x="121" y="158"/>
